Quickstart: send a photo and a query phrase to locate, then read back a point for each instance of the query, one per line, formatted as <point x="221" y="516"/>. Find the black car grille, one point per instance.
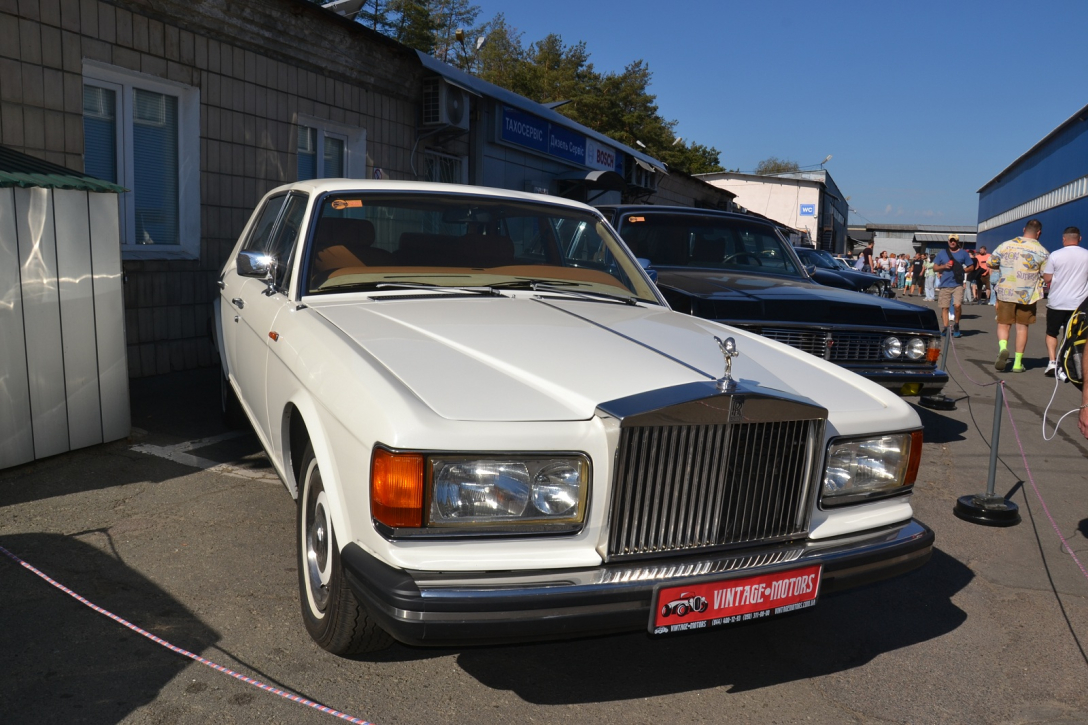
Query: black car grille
<point x="691" y="487"/>
<point x="845" y="347"/>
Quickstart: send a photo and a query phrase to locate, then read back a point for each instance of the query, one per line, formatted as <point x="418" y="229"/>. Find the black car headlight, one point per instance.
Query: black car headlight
<point x="876" y="288"/>
<point x="861" y="469"/>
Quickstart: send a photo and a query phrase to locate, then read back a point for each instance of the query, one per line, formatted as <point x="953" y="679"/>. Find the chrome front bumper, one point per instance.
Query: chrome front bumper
<point x="474" y="608"/>
<point x="931" y="381"/>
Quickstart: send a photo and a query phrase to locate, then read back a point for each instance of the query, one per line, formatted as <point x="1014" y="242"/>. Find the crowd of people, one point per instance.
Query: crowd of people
<point x="915" y="275"/>
<point x="1014" y="278"/>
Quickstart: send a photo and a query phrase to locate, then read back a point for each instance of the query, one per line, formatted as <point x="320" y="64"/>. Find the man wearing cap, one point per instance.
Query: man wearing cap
<point x="950" y="289"/>
<point x="1018" y="286"/>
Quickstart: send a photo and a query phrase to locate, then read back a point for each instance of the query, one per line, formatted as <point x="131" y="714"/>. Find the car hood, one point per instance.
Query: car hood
<point x="856" y="280"/>
<point x="518" y="358"/>
<point x="766" y="299"/>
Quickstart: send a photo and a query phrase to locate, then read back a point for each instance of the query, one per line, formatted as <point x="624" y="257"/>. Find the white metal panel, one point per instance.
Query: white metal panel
<point x="16" y="436"/>
<point x="109" y="311"/>
<point x="77" y="317"/>
<point x="41" y="317"/>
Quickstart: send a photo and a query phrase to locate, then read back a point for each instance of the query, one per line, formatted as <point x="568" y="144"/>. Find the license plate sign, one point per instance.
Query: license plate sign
<point x="714" y="603"/>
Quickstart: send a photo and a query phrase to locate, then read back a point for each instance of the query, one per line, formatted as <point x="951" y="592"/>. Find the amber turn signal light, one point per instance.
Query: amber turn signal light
<point x="915" y="458"/>
<point x="396" y="488"/>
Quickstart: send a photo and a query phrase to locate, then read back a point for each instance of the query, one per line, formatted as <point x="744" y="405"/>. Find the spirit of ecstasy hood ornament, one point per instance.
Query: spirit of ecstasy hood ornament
<point x="728" y="347"/>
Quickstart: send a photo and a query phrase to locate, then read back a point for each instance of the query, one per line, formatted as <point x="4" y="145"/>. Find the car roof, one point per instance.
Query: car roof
<point x="694" y="211"/>
<point x="321" y="186"/>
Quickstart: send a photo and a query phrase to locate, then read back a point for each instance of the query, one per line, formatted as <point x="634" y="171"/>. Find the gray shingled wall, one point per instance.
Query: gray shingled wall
<point x="257" y="64"/>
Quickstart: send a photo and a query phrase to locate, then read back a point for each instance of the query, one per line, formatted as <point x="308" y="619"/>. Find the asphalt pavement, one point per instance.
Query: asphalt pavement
<point x="194" y="542"/>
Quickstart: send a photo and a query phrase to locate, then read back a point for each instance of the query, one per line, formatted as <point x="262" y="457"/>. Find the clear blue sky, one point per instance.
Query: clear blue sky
<point x="920" y="103"/>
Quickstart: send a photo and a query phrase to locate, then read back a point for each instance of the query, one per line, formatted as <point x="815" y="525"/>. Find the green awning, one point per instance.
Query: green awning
<point x="17" y="169"/>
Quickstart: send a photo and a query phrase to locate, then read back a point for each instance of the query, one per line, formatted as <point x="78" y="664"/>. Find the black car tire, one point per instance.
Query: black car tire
<point x="229" y="405"/>
<point x="333" y="616"/>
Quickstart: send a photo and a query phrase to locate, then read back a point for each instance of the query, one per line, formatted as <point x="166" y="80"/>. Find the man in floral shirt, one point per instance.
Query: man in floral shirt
<point x="1018" y="283"/>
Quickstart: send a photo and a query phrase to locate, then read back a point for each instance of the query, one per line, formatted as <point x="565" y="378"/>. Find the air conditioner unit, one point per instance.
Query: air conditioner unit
<point x="444" y="104"/>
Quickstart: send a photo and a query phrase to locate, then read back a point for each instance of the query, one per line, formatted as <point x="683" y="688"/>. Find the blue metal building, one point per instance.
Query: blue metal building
<point x="1049" y="183"/>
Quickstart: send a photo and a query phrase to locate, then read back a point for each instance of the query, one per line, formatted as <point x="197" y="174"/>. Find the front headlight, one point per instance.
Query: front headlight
<point x="490" y="493"/>
<point x="861" y="469"/>
<point x="874" y="289"/>
<point x="916" y="348"/>
<point x="891" y="347"/>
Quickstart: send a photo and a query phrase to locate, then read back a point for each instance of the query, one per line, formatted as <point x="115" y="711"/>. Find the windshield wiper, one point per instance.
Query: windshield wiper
<point x="467" y="291"/>
<point x="584" y="294"/>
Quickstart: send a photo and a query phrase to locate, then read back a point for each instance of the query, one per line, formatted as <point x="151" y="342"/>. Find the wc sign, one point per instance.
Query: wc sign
<point x="808" y="210"/>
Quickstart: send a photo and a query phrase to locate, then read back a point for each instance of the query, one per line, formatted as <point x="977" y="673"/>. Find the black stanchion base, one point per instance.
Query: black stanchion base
<point x="937" y="402"/>
<point x="987" y="511"/>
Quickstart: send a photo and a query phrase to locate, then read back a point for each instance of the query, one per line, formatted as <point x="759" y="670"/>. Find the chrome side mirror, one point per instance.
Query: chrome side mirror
<point x="810" y="269"/>
<point x="254" y="264"/>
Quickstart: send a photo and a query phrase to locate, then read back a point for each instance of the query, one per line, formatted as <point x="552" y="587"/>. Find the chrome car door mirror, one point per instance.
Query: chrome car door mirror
<point x="254" y="264"/>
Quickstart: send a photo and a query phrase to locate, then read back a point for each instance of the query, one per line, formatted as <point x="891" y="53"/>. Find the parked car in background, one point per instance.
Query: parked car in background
<point x="739" y="270"/>
<point x="826" y="270"/>
<point x="496" y="429"/>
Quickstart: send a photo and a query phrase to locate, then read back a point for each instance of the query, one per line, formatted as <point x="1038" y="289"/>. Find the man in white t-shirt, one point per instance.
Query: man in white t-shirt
<point x="1067" y="272"/>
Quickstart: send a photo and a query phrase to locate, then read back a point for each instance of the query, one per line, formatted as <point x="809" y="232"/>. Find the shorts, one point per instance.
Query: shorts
<point x="950" y="294"/>
<point x="1055" y="321"/>
<point x="1013" y="312"/>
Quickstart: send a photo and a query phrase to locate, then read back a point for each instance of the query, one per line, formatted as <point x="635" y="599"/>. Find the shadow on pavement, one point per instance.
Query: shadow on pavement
<point x="168" y="409"/>
<point x="882" y="617"/>
<point x="937" y="428"/>
<point x="64" y="662"/>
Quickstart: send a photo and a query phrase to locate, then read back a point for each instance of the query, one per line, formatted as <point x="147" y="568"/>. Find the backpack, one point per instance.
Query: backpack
<point x="1071" y="354"/>
<point x="957" y="270"/>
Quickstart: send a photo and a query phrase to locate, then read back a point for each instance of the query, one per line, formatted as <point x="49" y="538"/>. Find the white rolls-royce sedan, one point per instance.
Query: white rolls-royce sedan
<point x="493" y="440"/>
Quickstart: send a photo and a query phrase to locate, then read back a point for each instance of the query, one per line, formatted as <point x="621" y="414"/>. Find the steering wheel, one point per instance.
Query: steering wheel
<point x="731" y="257"/>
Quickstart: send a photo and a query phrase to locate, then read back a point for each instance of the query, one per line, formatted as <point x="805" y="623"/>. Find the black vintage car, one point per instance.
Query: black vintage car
<point x="822" y="267"/>
<point x="738" y="269"/>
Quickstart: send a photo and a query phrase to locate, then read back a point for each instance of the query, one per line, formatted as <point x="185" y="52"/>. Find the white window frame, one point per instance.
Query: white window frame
<point x="122" y="82"/>
<point x="463" y="160"/>
<point x="354" y="139"/>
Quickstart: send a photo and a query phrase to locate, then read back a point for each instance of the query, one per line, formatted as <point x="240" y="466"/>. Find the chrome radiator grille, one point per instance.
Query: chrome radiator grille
<point x="690" y="487"/>
<point x="844" y="347"/>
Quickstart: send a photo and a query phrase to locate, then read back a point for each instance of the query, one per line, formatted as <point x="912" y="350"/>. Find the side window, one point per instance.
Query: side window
<point x="586" y="245"/>
<point x="284" y="241"/>
<point x="258" y="236"/>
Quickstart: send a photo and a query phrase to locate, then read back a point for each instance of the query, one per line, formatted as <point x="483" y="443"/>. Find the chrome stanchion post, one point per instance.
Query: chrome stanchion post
<point x="940" y="401"/>
<point x="990" y="508"/>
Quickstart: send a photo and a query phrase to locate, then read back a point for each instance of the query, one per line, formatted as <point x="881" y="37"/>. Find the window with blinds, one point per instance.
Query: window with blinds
<point x="132" y="131"/>
<point x="155" y="167"/>
<point x="330" y="163"/>
<point x="100" y="133"/>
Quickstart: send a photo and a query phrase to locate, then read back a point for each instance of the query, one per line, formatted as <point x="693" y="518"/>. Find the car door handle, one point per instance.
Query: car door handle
<point x="238" y="302"/>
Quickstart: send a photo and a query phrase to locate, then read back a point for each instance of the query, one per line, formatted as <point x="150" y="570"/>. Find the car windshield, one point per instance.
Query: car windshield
<point x="817" y="258"/>
<point x="707" y="242"/>
<point x="364" y="241"/>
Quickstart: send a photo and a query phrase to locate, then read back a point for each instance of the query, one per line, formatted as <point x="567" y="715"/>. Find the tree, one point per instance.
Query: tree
<point x="415" y="24"/>
<point x="774" y="165"/>
<point x="452" y="17"/>
<point x="374" y="14"/>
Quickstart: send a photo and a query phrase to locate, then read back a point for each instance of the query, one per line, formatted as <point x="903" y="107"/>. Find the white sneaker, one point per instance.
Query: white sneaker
<point x="1050" y="368"/>
<point x="1062" y="376"/>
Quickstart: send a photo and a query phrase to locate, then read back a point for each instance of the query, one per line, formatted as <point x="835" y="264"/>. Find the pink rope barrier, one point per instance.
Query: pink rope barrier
<point x="184" y="652"/>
